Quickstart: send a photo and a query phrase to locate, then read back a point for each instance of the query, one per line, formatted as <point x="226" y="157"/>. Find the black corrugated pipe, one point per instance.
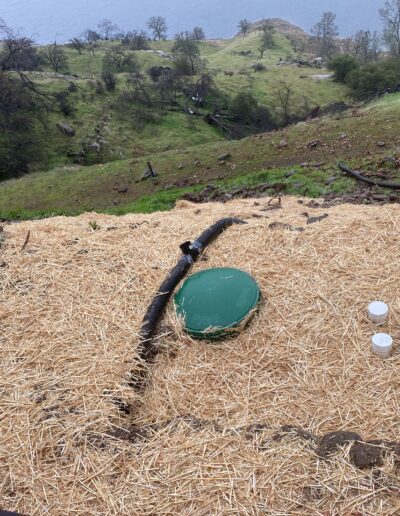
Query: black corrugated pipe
<point x="147" y="349"/>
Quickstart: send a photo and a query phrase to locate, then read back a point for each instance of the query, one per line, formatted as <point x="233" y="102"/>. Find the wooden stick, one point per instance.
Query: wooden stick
<point x="359" y="177"/>
<point x="26" y="241"/>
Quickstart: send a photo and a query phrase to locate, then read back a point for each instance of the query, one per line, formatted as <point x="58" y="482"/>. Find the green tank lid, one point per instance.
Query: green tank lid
<point x="215" y="302"/>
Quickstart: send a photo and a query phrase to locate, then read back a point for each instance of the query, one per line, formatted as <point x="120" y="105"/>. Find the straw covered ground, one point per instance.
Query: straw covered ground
<point x="236" y="427"/>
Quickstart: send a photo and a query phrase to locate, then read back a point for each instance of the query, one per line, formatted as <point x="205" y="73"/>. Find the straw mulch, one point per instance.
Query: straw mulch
<point x="70" y="312"/>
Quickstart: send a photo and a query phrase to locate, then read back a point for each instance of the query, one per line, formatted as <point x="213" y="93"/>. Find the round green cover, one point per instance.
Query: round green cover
<point x="215" y="301"/>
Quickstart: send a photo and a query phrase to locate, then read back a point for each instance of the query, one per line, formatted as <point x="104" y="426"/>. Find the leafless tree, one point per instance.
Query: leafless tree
<point x="390" y="15"/>
<point x="187" y="48"/>
<point x="140" y="89"/>
<point x="116" y="60"/>
<point x="366" y="46"/>
<point x="170" y="84"/>
<point x="92" y="47"/>
<point x="284" y="94"/>
<point x="91" y="36"/>
<point x="158" y="25"/>
<point x="107" y="28"/>
<point x="56" y="58"/>
<point x="244" y="26"/>
<point x="78" y="45"/>
<point x="266" y="38"/>
<point x="136" y="40"/>
<point x="348" y="46"/>
<point x="17" y="52"/>
<point x="325" y="32"/>
<point x="198" y="34"/>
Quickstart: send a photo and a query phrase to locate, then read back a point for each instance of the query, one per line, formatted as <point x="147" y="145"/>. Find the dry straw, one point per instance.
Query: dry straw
<point x="71" y="305"/>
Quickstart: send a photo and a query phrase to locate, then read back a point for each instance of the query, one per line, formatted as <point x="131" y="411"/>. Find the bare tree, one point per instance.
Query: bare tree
<point x="78" y="45"/>
<point x="390" y="15"/>
<point x="136" y="40"/>
<point x="158" y="25"/>
<point x="348" y="46"/>
<point x="244" y="26"/>
<point x="56" y="58"/>
<point x="169" y="85"/>
<point x="366" y="46"/>
<point x="20" y="143"/>
<point x="91" y="36"/>
<point x="325" y="32"/>
<point x="107" y="28"/>
<point x="266" y="38"/>
<point x="188" y="49"/>
<point x="198" y="34"/>
<point x="16" y="52"/>
<point x="284" y="94"/>
<point x="92" y="45"/>
<point x="140" y="89"/>
<point x="116" y="60"/>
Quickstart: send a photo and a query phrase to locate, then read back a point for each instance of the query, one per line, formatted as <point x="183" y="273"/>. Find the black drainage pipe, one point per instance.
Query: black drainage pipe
<point x="147" y="349"/>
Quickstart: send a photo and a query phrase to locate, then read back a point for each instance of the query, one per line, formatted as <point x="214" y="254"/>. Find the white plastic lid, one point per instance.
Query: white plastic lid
<point x="378" y="308"/>
<point x="382" y="341"/>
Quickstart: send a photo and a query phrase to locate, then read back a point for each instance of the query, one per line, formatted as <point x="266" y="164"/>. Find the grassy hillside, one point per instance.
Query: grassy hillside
<point x="128" y="138"/>
<point x="183" y="148"/>
<point x="364" y="135"/>
<point x="264" y="84"/>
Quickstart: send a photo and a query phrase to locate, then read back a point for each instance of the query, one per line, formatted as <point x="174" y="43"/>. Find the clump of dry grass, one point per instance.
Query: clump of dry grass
<point x="71" y="307"/>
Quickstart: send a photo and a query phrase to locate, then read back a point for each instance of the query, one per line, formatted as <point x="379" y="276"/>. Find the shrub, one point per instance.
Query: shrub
<point x="19" y="54"/>
<point x="99" y="87"/>
<point x="182" y="66"/>
<point x="142" y="117"/>
<point x="118" y="61"/>
<point x="343" y="66"/>
<point x="63" y="101"/>
<point x="186" y="48"/>
<point x="263" y="120"/>
<point x="155" y="72"/>
<point x="259" y="67"/>
<point x="244" y="105"/>
<point x="375" y="79"/>
<point x="109" y="79"/>
<point x="21" y="142"/>
<point x="136" y="40"/>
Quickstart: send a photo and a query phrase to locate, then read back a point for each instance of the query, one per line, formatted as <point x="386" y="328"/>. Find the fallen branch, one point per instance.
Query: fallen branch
<point x="363" y="179"/>
<point x="152" y="173"/>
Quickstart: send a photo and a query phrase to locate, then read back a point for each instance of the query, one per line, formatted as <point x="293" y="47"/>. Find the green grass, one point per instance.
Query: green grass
<point x="312" y="185"/>
<point x="126" y="137"/>
<point x="76" y="189"/>
<point x="265" y="84"/>
<point x="174" y="131"/>
<point x="185" y="151"/>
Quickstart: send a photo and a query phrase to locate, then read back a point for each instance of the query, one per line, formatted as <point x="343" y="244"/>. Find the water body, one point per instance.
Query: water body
<point x="62" y="19"/>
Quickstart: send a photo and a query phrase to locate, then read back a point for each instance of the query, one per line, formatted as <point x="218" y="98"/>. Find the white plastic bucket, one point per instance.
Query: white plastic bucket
<point x="378" y="312"/>
<point x="382" y="344"/>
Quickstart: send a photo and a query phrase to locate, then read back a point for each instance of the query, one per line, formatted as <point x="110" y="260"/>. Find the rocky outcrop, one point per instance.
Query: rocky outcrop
<point x="65" y="129"/>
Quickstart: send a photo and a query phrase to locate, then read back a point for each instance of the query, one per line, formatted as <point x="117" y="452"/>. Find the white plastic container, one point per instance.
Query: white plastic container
<point x="378" y="312"/>
<point x="382" y="345"/>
